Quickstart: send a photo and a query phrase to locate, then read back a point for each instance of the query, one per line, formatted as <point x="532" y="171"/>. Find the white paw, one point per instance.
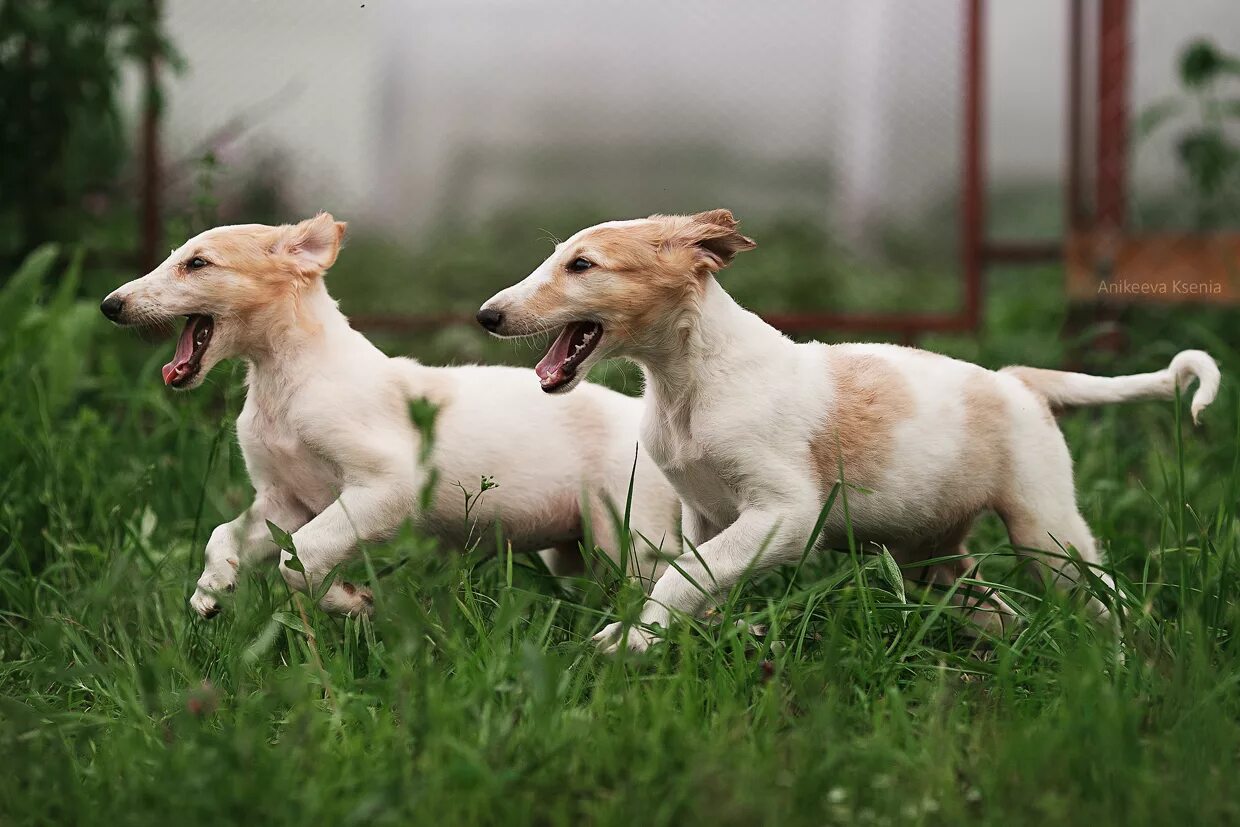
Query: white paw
<point x="347" y="599"/>
<point x="363" y="600"/>
<point x="615" y="638"/>
<point x="203" y="603"/>
<point x="205" y="598"/>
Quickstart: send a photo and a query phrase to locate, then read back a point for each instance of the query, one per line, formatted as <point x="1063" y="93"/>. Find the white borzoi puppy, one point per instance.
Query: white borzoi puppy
<point x="752" y="428"/>
<point x="327" y="437"/>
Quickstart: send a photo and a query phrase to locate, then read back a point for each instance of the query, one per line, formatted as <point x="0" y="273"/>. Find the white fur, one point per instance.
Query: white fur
<point x="734" y="407"/>
<point x="1069" y="389"/>
<point x="333" y="455"/>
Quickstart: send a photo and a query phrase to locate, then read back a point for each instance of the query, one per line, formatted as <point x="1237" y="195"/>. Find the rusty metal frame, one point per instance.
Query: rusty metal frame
<point x="977" y="252"/>
<point x="1099" y="249"/>
<point x="1110" y="203"/>
<point x="974" y="249"/>
<point x="150" y="196"/>
<point x="1109" y="170"/>
<point x="1075" y="207"/>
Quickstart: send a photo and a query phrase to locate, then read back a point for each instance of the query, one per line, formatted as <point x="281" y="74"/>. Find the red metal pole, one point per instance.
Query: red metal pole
<point x="1112" y="113"/>
<point x="973" y="206"/>
<point x="1075" y="212"/>
<point x="152" y="229"/>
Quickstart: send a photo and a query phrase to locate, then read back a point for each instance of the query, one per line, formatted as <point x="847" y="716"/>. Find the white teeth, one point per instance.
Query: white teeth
<point x="586" y="339"/>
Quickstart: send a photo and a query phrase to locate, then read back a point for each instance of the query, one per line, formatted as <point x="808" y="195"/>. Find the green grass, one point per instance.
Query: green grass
<point x="475" y="695"/>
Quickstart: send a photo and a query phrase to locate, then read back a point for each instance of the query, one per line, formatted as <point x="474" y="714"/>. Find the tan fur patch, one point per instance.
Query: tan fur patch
<point x="871" y="398"/>
<point x="1045" y="384"/>
<point x="655" y="268"/>
<point x="549" y="298"/>
<point x="267" y="267"/>
<point x="976" y="481"/>
<point x="985" y="458"/>
<point x="656" y="276"/>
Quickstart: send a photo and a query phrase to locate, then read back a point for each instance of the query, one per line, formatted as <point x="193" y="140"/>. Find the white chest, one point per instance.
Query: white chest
<point x="693" y="470"/>
<point x="278" y="457"/>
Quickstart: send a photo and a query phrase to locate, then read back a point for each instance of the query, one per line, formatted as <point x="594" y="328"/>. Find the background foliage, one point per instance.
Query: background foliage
<point x="61" y="132"/>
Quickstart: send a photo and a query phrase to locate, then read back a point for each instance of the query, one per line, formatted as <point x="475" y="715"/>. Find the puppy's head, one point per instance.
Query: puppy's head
<point x="232" y="284"/>
<point x="620" y="288"/>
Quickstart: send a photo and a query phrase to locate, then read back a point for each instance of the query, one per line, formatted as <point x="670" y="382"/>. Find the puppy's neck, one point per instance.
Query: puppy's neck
<point x="303" y="329"/>
<point x="713" y="336"/>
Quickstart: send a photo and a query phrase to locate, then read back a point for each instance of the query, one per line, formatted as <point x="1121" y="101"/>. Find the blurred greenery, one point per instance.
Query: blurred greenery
<point x="1207" y="150"/>
<point x="61" y="131"/>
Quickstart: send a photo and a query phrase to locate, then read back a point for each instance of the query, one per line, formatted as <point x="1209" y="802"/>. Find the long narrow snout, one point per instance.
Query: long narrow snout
<point x="112" y="306"/>
<point x="518" y="311"/>
<point x="527" y="308"/>
<point x="131" y="304"/>
<point x="142" y="302"/>
<point x="497" y="313"/>
<point x="490" y="318"/>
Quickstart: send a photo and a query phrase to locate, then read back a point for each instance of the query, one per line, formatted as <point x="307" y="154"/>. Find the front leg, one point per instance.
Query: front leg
<point x="760" y="539"/>
<point x="362" y="513"/>
<point x="695" y="527"/>
<point x="242" y="541"/>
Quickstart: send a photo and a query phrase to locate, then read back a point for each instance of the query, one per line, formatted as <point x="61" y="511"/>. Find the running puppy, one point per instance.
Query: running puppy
<point x="752" y="429"/>
<point x="326" y="430"/>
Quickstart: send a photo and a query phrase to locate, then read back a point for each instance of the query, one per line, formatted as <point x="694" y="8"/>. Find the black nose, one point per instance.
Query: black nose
<point x="490" y="319"/>
<point x="112" y="307"/>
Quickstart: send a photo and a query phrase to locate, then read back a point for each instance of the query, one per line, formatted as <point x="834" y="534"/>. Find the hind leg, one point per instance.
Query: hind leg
<point x="564" y="560"/>
<point x="1057" y="538"/>
<point x="981" y="607"/>
<point x="654" y="524"/>
<point x="645" y="562"/>
<point x="1042" y="519"/>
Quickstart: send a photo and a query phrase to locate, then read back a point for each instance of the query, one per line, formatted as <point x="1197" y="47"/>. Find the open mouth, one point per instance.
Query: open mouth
<point x="569" y="350"/>
<point x="187" y="361"/>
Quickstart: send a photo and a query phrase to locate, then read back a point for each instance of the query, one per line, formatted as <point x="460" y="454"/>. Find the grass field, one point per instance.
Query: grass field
<point x="475" y="696"/>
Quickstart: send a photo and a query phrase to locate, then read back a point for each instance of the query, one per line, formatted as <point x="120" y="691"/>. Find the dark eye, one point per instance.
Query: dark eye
<point x="197" y="263"/>
<point x="580" y="265"/>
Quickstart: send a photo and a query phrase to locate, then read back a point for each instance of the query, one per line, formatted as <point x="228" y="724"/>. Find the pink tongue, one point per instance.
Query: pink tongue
<point x="179" y="366"/>
<point x="550" y="368"/>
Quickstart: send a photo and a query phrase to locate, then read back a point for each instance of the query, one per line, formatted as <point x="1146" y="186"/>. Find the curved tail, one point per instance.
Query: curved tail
<point x="1064" y="390"/>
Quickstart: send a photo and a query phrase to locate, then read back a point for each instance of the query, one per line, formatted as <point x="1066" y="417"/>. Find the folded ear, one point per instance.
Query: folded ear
<point x="722" y="217"/>
<point x="714" y="233"/>
<point x="312" y="244"/>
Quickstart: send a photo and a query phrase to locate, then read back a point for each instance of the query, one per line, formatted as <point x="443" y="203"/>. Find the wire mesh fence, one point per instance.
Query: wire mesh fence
<point x="836" y="131"/>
